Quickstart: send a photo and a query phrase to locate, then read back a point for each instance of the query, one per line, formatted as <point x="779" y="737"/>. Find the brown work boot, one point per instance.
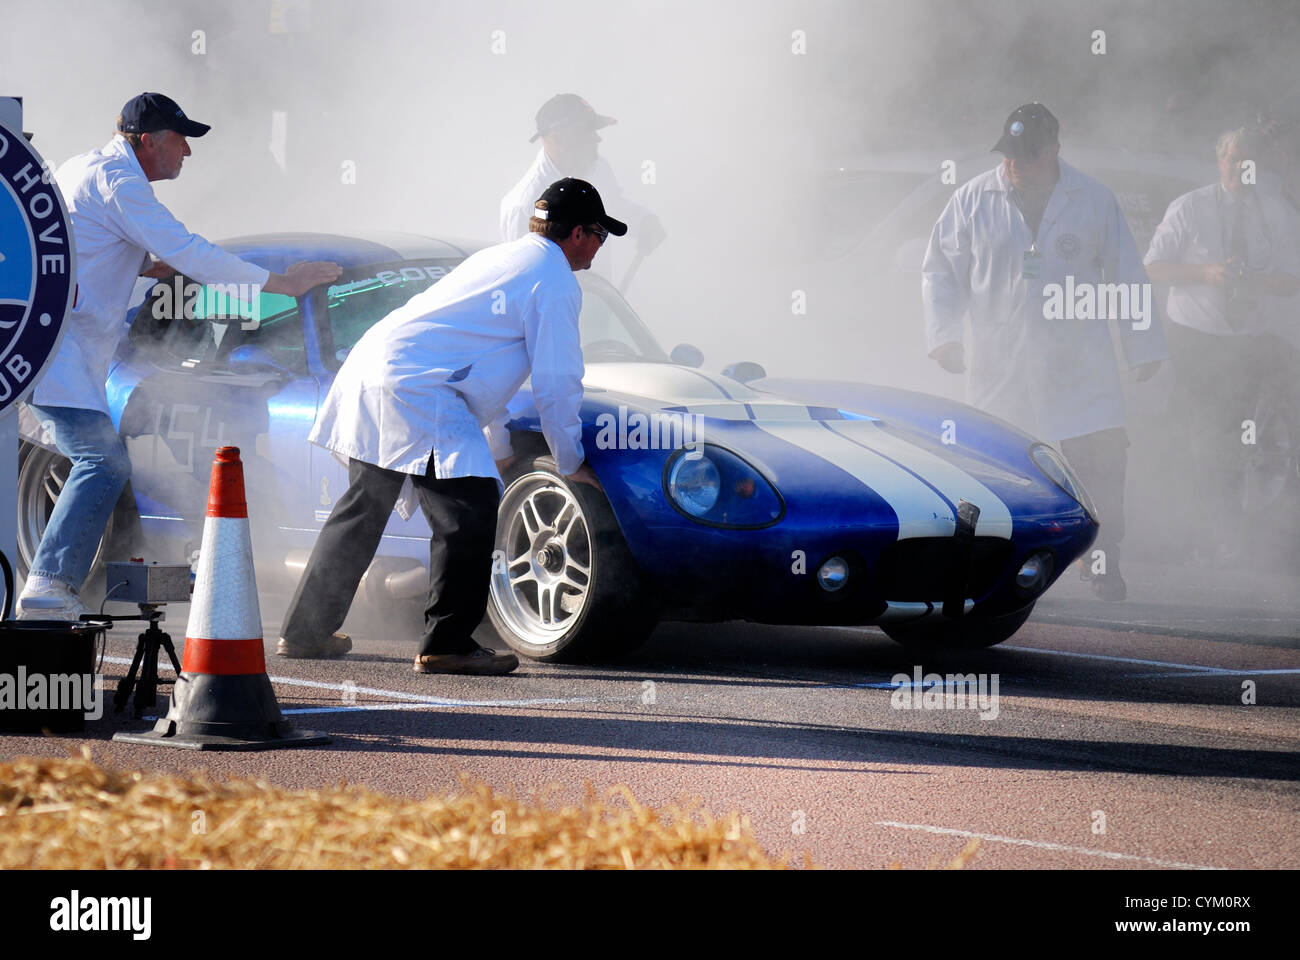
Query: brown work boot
<point x="482" y="661"/>
<point x="334" y="646"/>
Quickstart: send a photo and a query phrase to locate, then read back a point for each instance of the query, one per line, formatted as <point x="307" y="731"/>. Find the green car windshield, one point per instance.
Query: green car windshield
<point x="611" y="331"/>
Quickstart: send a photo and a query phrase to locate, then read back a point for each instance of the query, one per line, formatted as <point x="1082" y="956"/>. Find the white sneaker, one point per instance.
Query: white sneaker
<point x="46" y="599"/>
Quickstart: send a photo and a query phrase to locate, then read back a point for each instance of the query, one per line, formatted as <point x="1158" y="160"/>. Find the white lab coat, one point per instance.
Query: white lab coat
<point x="517" y="205"/>
<point x="424" y="381"/>
<point x="117" y="221"/>
<point x="1055" y="379"/>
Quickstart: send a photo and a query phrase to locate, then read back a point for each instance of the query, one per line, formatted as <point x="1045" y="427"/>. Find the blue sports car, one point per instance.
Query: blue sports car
<point x="733" y="496"/>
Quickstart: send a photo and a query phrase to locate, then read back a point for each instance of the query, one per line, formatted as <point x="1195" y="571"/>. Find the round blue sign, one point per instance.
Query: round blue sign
<point x="37" y="267"/>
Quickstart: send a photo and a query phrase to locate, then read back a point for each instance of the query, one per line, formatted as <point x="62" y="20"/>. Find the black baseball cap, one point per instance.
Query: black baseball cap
<point x="151" y="112"/>
<point x="567" y="108"/>
<point x="577" y="202"/>
<point x="1027" y="131"/>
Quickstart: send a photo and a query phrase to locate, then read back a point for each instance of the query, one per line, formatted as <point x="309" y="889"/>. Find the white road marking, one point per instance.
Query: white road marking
<point x="412" y="701"/>
<point x="1199" y="668"/>
<point x="1196" y="669"/>
<point x="442" y="704"/>
<point x="1043" y="845"/>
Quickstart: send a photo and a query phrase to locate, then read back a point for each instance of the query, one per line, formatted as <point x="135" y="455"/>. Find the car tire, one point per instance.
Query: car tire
<point x="41" y="475"/>
<point x="968" y="633"/>
<point x="551" y="536"/>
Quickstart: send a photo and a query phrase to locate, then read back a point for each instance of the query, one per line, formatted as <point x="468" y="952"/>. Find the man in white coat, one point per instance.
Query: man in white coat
<point x="117" y="223"/>
<point x="1015" y="251"/>
<point x="423" y="396"/>
<point x="567" y="125"/>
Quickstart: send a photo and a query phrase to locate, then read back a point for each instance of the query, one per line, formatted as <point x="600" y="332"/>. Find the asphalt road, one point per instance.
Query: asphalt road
<point x="1110" y="746"/>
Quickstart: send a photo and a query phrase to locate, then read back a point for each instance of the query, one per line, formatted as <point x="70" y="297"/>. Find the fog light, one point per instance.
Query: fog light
<point x="833" y="574"/>
<point x="1035" y="572"/>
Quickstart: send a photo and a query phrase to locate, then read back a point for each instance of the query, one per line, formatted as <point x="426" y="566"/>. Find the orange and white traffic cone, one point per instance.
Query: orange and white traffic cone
<point x="223" y="698"/>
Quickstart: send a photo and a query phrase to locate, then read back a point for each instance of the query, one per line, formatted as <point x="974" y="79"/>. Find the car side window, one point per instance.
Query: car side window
<point x="362" y="298"/>
<point x="198" y="325"/>
<point x="609" y="329"/>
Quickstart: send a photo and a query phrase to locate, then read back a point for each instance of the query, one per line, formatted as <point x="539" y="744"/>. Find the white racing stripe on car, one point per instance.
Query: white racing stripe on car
<point x="921" y="511"/>
<point x="667" y="384"/>
<point x="949" y="479"/>
<point x="726" y="410"/>
<point x="731" y="410"/>
<point x="913" y="480"/>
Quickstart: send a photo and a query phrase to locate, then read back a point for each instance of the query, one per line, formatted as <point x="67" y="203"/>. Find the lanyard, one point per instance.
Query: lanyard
<point x="1238" y="210"/>
<point x="1015" y="198"/>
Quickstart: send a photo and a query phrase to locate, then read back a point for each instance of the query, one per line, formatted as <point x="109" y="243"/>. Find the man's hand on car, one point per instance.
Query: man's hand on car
<point x="158" y="271"/>
<point x="584" y="474"/>
<point x="302" y="276"/>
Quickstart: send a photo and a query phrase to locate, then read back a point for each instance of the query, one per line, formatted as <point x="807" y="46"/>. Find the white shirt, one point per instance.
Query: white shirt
<point x="1055" y="379"/>
<point x="1197" y="228"/>
<point x="116" y="222"/>
<point x="425" y="380"/>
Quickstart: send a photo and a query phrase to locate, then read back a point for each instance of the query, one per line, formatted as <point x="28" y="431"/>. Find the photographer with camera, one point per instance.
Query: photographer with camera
<point x="1227" y="255"/>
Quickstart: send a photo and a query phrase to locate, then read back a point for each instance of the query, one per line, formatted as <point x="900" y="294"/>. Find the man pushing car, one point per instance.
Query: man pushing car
<point x="117" y="223"/>
<point x="423" y="396"/>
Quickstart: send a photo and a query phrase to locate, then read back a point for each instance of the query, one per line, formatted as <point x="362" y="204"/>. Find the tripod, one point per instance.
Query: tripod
<point x="145" y="662"/>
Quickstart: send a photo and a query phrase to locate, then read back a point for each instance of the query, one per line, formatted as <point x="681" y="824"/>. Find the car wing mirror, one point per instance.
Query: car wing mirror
<point x="687" y="355"/>
<point x="744" y="371"/>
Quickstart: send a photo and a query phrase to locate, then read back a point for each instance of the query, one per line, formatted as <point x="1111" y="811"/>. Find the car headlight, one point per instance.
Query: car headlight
<point x="1058" y="471"/>
<point x="717" y="487"/>
<point x="694" y="485"/>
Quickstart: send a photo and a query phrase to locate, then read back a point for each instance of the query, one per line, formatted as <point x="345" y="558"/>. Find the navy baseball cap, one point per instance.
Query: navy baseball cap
<point x="567" y="108"/>
<point x="577" y="202"/>
<point x="151" y="112"/>
<point x="1027" y="131"/>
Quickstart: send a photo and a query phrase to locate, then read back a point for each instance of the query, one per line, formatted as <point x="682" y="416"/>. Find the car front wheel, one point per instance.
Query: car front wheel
<point x="564" y="585"/>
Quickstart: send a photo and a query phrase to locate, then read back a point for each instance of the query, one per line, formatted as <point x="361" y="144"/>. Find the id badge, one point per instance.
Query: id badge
<point x="1032" y="266"/>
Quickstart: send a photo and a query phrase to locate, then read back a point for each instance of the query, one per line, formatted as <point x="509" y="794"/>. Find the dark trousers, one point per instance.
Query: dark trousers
<point x="1100" y="460"/>
<point x="1219" y="383"/>
<point x="462" y="515"/>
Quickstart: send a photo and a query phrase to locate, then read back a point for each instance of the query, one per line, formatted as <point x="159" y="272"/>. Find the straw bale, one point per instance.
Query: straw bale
<point x="74" y="813"/>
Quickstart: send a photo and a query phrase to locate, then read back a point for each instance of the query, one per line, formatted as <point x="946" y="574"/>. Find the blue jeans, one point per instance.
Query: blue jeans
<point x="100" y="469"/>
